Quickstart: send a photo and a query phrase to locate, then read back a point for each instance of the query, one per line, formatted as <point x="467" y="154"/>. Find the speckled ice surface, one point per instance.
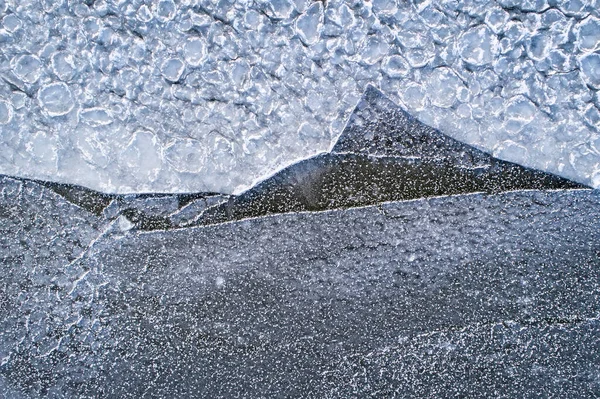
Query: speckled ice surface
<point x="461" y="296"/>
<point x="180" y="96"/>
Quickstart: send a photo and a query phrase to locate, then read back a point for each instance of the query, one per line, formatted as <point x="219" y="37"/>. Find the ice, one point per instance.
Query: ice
<point x="6" y="112"/>
<point x="397" y="297"/>
<point x="56" y="99"/>
<point x="254" y="72"/>
<point x="27" y="68"/>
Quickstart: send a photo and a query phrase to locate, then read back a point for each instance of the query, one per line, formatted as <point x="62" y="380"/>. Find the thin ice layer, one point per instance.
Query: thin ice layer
<point x="428" y="297"/>
<point x="178" y="96"/>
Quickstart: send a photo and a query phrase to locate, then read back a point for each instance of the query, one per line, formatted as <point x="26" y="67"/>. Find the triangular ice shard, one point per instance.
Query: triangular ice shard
<point x="380" y="127"/>
<point x="383" y="154"/>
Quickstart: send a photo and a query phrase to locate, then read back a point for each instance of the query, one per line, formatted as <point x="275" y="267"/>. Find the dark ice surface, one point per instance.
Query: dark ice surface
<point x="459" y="296"/>
<point x="401" y="264"/>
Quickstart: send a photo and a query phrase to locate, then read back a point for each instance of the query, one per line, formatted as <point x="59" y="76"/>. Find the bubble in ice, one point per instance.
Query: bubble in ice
<point x="186" y="155"/>
<point x="144" y="14"/>
<point x="56" y="99"/>
<point x="165" y="10"/>
<point x="519" y="112"/>
<point x="11" y="23"/>
<point x="63" y="65"/>
<point x="443" y="87"/>
<point x="308" y="24"/>
<point x="43" y="148"/>
<point x="143" y="156"/>
<point x="96" y="116"/>
<point x="374" y="49"/>
<point x="27" y="68"/>
<point x="590" y="68"/>
<point x="194" y="51"/>
<point x="172" y="69"/>
<point x="588" y="34"/>
<point x="6" y="112"/>
<point x="478" y="46"/>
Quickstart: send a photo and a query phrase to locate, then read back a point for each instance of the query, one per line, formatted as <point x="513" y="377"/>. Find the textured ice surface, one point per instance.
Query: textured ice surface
<point x="383" y="154"/>
<point x="101" y="297"/>
<point x="463" y="296"/>
<point x="182" y="96"/>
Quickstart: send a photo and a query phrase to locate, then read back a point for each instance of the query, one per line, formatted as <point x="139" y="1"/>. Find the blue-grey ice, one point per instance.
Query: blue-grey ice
<point x="487" y="289"/>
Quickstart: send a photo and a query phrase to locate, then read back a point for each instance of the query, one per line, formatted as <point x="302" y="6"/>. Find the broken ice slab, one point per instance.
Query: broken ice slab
<point x="150" y="211"/>
<point x="383" y="154"/>
<point x="411" y="297"/>
<point x="189" y="213"/>
<point x="120" y="108"/>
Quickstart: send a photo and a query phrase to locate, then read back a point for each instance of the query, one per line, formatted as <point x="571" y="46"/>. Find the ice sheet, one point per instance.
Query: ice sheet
<point x="180" y="96"/>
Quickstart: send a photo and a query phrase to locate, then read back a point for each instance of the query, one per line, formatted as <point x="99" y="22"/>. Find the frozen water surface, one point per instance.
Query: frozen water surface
<point x="416" y="298"/>
<point x="400" y="263"/>
<point x="230" y="92"/>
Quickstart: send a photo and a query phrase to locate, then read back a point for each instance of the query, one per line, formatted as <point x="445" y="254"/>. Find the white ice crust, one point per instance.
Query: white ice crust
<point x="202" y="95"/>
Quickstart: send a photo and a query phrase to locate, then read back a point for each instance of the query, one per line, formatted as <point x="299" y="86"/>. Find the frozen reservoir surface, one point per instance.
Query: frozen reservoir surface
<point x="456" y="275"/>
<point x="129" y="96"/>
<point x="456" y="296"/>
